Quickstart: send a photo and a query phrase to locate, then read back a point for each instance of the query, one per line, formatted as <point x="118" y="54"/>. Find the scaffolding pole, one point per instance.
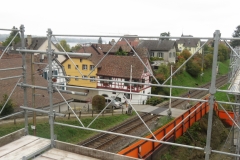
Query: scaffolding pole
<point x="212" y="91"/>
<point x="24" y="66"/>
<point x="50" y="87"/>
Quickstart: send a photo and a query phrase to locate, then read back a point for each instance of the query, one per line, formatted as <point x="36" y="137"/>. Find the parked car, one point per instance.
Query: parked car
<point x="113" y="103"/>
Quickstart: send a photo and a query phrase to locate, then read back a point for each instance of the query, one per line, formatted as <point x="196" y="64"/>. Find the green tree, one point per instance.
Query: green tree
<point x="98" y="102"/>
<point x="8" y="109"/>
<point x="208" y="59"/>
<point x="185" y="54"/>
<point x="100" y="40"/>
<point x="64" y="44"/>
<point x="164" y="34"/>
<point x="223" y="52"/>
<point x="193" y="67"/>
<point x="76" y="47"/>
<point x="236" y="33"/>
<point x="121" y="52"/>
<point x="10" y="37"/>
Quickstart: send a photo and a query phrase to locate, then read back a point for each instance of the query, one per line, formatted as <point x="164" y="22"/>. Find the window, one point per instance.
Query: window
<point x="110" y="78"/>
<point x="91" y="67"/>
<point x="160" y="54"/>
<point x="170" y="54"/>
<point x="76" y="78"/>
<point x="126" y="84"/>
<point x="45" y="75"/>
<point x="84" y="76"/>
<point x="84" y="67"/>
<point x="127" y="95"/>
<point x="93" y="79"/>
<point x="174" y="54"/>
<point x="55" y="72"/>
<point x="143" y="80"/>
<point x="80" y="60"/>
<point x="114" y="93"/>
<point x="69" y="66"/>
<point x="101" y="77"/>
<point x="76" y="67"/>
<point x="152" y="54"/>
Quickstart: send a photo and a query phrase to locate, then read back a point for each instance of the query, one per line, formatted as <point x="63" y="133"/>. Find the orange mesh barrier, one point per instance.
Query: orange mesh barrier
<point x="142" y="148"/>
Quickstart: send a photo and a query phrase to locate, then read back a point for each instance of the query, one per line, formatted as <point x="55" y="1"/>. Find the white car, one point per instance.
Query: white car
<point x="113" y="103"/>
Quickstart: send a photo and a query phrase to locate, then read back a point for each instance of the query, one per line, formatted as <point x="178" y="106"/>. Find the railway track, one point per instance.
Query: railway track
<point x="178" y="103"/>
<point x="107" y="142"/>
<point x="103" y="141"/>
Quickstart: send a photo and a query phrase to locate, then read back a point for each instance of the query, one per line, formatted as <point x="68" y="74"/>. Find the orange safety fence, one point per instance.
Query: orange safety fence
<point x="143" y="148"/>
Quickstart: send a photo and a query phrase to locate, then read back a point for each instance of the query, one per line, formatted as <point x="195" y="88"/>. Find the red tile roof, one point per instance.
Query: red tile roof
<point x="120" y="66"/>
<point x="18" y="98"/>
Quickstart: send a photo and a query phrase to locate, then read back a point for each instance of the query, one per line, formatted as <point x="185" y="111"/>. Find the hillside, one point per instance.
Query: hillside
<point x="185" y="79"/>
<point x="196" y="136"/>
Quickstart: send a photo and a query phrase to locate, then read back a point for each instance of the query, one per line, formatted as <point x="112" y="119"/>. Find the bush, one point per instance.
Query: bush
<point x="8" y="109"/>
<point x="154" y="101"/>
<point x="98" y="102"/>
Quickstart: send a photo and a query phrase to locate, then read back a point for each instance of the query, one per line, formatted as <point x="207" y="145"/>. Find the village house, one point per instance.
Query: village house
<point x="160" y="51"/>
<point x="125" y="69"/>
<point x="85" y="66"/>
<point x="41" y="44"/>
<point x="57" y="70"/>
<point x="14" y="60"/>
<point x="191" y="44"/>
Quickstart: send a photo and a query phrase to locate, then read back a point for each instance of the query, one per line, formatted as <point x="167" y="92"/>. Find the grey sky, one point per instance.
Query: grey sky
<point x="140" y="17"/>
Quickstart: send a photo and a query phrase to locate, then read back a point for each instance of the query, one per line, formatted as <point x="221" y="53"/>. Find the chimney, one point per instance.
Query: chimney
<point x="29" y="40"/>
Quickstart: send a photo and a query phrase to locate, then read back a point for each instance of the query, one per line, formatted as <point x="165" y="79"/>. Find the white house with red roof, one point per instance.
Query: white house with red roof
<point x="125" y="69"/>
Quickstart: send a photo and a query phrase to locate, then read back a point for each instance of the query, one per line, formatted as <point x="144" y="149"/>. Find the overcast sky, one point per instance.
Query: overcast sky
<point x="138" y="17"/>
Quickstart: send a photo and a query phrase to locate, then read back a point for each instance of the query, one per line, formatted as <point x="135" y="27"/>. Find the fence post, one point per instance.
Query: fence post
<point x="80" y="114"/>
<point x="68" y="115"/>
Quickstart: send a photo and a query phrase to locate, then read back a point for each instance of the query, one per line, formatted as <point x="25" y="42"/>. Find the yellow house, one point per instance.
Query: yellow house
<point x="85" y="66"/>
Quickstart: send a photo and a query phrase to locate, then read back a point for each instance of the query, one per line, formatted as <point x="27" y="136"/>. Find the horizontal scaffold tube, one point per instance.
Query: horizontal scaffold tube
<point x="86" y="55"/>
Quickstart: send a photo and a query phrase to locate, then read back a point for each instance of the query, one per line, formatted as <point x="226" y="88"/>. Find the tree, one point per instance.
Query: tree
<point x="100" y="40"/>
<point x="236" y="33"/>
<point x="64" y="44"/>
<point x="185" y="54"/>
<point x="76" y="47"/>
<point x="208" y="58"/>
<point x="164" y="34"/>
<point x="10" y="37"/>
<point x="193" y="67"/>
<point x="223" y="52"/>
<point x="8" y="109"/>
<point x="98" y="102"/>
<point x="121" y="52"/>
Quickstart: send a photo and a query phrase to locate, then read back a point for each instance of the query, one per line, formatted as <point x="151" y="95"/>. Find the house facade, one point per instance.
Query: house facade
<point x="160" y="51"/>
<point x="41" y="44"/>
<point x="191" y="44"/>
<point x="85" y="66"/>
<point x="58" y="70"/>
<point x="125" y="69"/>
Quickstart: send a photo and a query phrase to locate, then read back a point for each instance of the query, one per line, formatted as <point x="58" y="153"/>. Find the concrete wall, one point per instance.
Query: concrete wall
<point x="11" y="137"/>
<point x="90" y="152"/>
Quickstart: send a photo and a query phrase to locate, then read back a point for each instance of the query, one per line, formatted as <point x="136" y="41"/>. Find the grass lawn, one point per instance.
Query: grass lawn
<point x="186" y="80"/>
<point x="221" y="96"/>
<point x="68" y="134"/>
